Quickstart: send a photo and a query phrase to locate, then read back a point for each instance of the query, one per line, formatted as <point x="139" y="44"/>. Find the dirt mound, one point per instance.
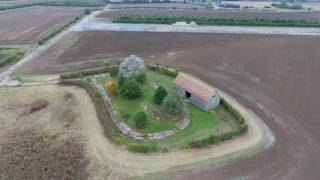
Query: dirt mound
<point x="35" y="106"/>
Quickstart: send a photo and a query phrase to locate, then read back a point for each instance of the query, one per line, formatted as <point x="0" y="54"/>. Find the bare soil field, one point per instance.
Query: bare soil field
<point x="27" y="25"/>
<point x="106" y="16"/>
<point x="274" y="76"/>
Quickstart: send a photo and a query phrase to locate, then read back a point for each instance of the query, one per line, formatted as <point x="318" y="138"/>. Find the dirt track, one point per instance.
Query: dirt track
<point x="275" y="76"/>
<point x="27" y="25"/>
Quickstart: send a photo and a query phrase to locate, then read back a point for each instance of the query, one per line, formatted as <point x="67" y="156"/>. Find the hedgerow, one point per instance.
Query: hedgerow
<point x="124" y="18"/>
<point x="11" y="58"/>
<point x="84" y="73"/>
<point x="164" y="70"/>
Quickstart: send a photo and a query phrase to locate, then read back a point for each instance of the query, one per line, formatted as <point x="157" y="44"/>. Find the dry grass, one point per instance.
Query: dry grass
<point x="40" y="139"/>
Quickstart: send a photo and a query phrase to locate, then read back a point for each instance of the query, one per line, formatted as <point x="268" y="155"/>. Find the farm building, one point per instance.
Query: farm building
<point x="200" y="93"/>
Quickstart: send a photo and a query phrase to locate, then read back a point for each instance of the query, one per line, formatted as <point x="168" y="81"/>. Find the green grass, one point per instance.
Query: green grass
<point x="124" y="107"/>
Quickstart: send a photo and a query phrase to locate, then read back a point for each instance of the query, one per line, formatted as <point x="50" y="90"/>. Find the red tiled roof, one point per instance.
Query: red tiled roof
<point x="194" y="86"/>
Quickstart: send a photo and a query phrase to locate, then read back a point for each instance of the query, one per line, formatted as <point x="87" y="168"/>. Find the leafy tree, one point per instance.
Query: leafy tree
<point x="112" y="86"/>
<point x="121" y="81"/>
<point x="141" y="77"/>
<point x="159" y="95"/>
<point x="172" y="104"/>
<point x="140" y="119"/>
<point x="87" y="11"/>
<point x="114" y="71"/>
<point x="209" y="4"/>
<point x="131" y="90"/>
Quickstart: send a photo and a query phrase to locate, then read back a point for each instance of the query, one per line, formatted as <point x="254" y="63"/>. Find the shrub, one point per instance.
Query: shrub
<point x="159" y="95"/>
<point x="84" y="73"/>
<point x="141" y="149"/>
<point x="172" y="104"/>
<point x="121" y="81"/>
<point x="111" y="86"/>
<point x="238" y="117"/>
<point x="218" y="21"/>
<point x="140" y="119"/>
<point x="130" y="90"/>
<point x="114" y="71"/>
<point x="87" y="11"/>
<point x="13" y="57"/>
<point x="164" y="70"/>
<point x="141" y="77"/>
<point x="97" y="94"/>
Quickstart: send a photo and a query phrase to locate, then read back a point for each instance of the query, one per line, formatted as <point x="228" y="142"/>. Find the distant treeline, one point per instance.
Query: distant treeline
<point x="216" y="21"/>
<point x="287" y="6"/>
<point x="63" y="3"/>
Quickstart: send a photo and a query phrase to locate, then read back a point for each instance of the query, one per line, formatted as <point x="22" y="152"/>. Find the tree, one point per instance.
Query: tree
<point x="131" y="66"/>
<point x="159" y="95"/>
<point x="114" y="71"/>
<point x="140" y="119"/>
<point x="111" y="86"/>
<point x="141" y="77"/>
<point x="208" y="4"/>
<point x="121" y="81"/>
<point x="172" y="104"/>
<point x="131" y="90"/>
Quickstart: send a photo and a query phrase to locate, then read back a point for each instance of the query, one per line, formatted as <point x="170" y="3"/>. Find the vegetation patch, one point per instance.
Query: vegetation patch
<point x="62" y="28"/>
<point x="124" y="18"/>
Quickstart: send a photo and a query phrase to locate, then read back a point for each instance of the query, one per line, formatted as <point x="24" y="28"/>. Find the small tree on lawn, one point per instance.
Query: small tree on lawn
<point x="172" y="104"/>
<point x="141" y="77"/>
<point x="131" y="90"/>
<point x="111" y="86"/>
<point x="140" y="119"/>
<point x="159" y="95"/>
<point x="121" y="81"/>
<point x="114" y="71"/>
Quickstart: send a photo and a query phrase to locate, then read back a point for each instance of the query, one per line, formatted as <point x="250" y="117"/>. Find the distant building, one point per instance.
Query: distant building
<point x="200" y="93"/>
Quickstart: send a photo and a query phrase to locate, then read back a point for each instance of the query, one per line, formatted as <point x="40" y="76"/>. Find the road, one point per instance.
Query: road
<point x="103" y="26"/>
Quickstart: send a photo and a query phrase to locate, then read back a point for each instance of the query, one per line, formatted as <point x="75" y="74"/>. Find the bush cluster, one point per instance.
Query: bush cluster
<point x="238" y="117"/>
<point x="236" y="6"/>
<point x="141" y="78"/>
<point x="287" y="6"/>
<point x="141" y="148"/>
<point x="172" y="104"/>
<point x="213" y="139"/>
<point x="84" y="73"/>
<point x="58" y="30"/>
<point x="159" y="95"/>
<point x="217" y="21"/>
<point x="64" y="3"/>
<point x="13" y="57"/>
<point x="114" y="71"/>
<point x="140" y="119"/>
<point x="130" y="90"/>
<point x="164" y="70"/>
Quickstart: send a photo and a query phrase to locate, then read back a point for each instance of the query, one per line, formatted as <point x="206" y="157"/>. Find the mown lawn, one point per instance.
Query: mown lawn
<point x="127" y="108"/>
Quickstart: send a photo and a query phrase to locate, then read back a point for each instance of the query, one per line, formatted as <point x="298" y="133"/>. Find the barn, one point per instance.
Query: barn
<point x="200" y="93"/>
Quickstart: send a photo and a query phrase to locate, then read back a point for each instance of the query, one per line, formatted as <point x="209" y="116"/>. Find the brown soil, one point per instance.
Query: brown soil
<point x="243" y="14"/>
<point x="28" y="25"/>
<point x="274" y="76"/>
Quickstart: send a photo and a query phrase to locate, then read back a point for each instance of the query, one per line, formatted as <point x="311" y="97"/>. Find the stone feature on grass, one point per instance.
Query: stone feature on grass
<point x="131" y="67"/>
